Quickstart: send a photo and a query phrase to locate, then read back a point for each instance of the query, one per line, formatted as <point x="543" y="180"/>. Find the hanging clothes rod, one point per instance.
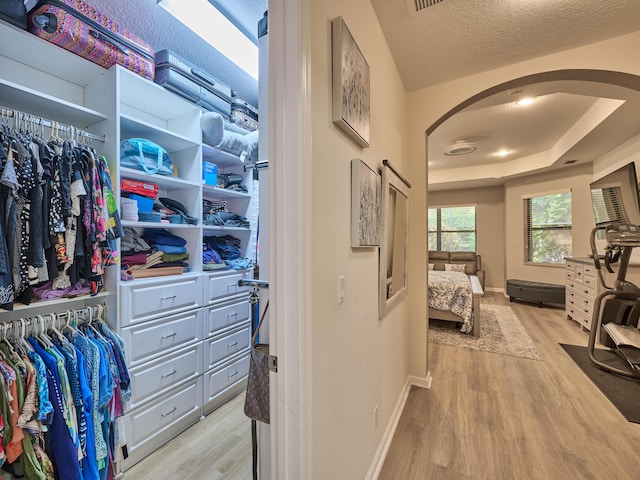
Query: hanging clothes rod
<point x="257" y="165"/>
<point x="27" y="326"/>
<point x="19" y="116"/>
<point x="257" y="283"/>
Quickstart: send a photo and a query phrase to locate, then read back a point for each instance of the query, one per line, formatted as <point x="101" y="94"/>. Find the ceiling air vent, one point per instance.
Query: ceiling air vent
<point x="460" y="148"/>
<point x="422" y="4"/>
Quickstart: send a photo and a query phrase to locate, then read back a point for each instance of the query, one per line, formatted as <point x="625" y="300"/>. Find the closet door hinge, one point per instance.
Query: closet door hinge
<point x="273" y="363"/>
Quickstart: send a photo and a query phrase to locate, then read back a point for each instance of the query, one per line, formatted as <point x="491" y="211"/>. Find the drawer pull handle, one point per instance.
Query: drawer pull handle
<point x="232" y="345"/>
<point x="586" y="291"/>
<point x="168" y="298"/>
<point x="233" y="374"/>
<point x="164" y="337"/>
<point x="234" y="314"/>
<point x="169" y="374"/>
<point x="169" y="412"/>
<point x="231" y="286"/>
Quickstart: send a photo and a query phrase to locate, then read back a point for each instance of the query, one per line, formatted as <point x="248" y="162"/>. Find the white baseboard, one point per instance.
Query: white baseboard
<point x="495" y="289"/>
<point x="422" y="382"/>
<point x="385" y="442"/>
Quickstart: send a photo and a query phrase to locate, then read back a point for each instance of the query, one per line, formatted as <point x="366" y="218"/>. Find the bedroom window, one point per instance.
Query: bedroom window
<point x="547" y="228"/>
<point x="452" y="229"/>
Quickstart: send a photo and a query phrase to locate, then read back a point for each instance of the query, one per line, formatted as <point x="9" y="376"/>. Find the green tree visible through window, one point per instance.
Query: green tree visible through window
<point x="452" y="229"/>
<point x="547" y="228"/>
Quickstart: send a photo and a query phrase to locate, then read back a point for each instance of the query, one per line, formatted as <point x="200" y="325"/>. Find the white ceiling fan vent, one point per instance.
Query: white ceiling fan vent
<point x="460" y="148"/>
<point x="422" y="4"/>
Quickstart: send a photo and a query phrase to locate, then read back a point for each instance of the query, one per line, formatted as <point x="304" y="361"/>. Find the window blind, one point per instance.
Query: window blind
<point x="607" y="205"/>
<point x="547" y="228"/>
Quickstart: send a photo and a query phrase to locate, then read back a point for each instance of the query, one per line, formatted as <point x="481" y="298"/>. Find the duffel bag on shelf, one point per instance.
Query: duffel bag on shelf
<point x="145" y="155"/>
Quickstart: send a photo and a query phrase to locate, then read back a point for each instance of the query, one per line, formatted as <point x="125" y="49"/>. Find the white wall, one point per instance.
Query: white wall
<point x="357" y="361"/>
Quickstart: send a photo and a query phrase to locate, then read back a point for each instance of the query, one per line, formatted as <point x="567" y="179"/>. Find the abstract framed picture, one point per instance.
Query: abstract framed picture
<point x="351" y="82"/>
<point x="366" y="201"/>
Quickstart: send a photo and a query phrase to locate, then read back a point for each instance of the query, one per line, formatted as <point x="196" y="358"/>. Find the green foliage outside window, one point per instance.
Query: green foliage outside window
<point x="548" y="228"/>
<point x="452" y="229"/>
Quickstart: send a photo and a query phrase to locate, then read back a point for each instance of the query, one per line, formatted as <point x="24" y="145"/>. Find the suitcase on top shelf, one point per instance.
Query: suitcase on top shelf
<point x="14" y="12"/>
<point x="244" y="114"/>
<point x="85" y="31"/>
<point x="187" y="80"/>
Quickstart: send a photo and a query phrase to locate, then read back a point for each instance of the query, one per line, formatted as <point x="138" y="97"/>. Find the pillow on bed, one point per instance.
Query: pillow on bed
<point x="452" y="267"/>
<point x="431" y="266"/>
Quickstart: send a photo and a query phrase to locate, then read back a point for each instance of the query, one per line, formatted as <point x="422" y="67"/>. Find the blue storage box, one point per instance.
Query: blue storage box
<point x="144" y="204"/>
<point x="210" y="173"/>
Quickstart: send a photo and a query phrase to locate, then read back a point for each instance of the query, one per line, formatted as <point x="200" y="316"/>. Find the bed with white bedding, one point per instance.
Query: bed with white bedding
<point x="455" y="296"/>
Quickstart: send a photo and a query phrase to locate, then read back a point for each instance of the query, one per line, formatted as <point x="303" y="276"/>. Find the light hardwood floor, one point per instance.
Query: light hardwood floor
<point x="496" y="417"/>
<point x="216" y="448"/>
<point x="486" y="417"/>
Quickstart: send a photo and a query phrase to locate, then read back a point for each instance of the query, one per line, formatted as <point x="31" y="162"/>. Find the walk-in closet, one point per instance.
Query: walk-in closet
<point x="133" y="263"/>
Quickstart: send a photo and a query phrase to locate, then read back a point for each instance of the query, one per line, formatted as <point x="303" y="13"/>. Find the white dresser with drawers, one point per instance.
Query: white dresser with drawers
<point x="582" y="287"/>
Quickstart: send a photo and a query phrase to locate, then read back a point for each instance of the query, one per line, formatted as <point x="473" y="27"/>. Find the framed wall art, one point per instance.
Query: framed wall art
<point x="366" y="201"/>
<point x="351" y="101"/>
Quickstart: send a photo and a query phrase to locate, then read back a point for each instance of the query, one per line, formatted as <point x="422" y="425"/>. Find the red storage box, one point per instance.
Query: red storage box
<point x="145" y="189"/>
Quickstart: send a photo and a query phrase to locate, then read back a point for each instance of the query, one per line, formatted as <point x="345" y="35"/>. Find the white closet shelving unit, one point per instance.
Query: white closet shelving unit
<point x="36" y="79"/>
<point x="187" y="336"/>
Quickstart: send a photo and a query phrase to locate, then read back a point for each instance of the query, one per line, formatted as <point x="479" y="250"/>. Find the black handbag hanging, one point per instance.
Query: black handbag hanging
<point x="14" y="12"/>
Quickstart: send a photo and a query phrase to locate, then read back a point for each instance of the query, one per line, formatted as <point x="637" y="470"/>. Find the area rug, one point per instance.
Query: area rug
<point x="500" y="332"/>
<point x="623" y="392"/>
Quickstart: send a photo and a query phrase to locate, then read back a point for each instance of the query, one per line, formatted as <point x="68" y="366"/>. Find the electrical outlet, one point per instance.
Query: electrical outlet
<point x="375" y="417"/>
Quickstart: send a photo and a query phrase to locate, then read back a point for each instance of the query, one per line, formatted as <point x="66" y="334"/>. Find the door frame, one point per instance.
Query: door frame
<point x="290" y="157"/>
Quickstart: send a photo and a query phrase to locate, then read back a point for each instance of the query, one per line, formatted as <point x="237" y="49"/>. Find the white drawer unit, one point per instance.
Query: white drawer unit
<point x="224" y="382"/>
<point x="147" y="299"/>
<point x="154" y="378"/>
<point x="219" y="286"/>
<point x="148" y="340"/>
<point x="582" y="288"/>
<point x="222" y="347"/>
<point x="156" y="423"/>
<point x="228" y="315"/>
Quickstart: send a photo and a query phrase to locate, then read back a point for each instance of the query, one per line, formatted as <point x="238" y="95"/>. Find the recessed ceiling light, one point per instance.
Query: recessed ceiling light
<point x="523" y="102"/>
<point x="503" y="153"/>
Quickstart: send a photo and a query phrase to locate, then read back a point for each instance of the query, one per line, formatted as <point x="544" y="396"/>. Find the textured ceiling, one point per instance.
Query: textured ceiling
<point x="456" y="38"/>
<point x="572" y="121"/>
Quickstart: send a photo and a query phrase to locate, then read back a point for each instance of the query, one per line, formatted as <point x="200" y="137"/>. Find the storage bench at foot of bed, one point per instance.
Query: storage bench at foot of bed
<point x="537" y="292"/>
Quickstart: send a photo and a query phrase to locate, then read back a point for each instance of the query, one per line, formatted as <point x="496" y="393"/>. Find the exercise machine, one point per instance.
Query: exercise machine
<point x="619" y="304"/>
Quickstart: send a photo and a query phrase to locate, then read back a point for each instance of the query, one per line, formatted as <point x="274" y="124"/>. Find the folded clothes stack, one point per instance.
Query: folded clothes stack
<point x="129" y="209"/>
<point x="174" y="211"/>
<point x="173" y="248"/>
<point x="213" y="206"/>
<point x="226" y="219"/>
<point x="225" y="250"/>
<point x="156" y="252"/>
